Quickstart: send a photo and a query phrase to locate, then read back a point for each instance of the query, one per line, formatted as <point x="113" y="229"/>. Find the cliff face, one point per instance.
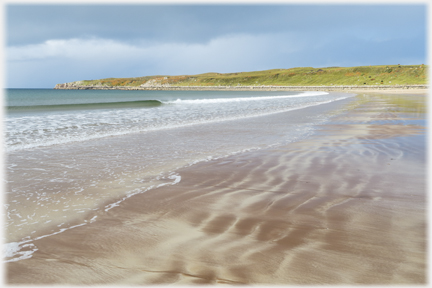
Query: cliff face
<point x="79" y="85"/>
<point x="153" y="83"/>
<point x="63" y="86"/>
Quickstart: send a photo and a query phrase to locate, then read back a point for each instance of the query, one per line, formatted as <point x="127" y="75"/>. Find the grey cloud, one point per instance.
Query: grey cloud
<point x="200" y="23"/>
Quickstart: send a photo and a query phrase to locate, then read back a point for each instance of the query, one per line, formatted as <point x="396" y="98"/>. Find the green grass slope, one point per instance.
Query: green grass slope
<point x="303" y="76"/>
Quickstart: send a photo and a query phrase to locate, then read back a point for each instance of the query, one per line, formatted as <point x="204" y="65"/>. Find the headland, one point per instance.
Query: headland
<point x="381" y="77"/>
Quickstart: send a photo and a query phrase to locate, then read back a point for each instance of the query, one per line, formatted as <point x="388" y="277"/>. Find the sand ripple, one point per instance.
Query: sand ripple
<point x="346" y="206"/>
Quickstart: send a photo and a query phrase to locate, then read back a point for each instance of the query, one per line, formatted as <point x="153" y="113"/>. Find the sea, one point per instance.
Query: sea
<point x="71" y="155"/>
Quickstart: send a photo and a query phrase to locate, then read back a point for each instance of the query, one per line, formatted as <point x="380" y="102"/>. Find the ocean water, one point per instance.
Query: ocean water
<point x="73" y="154"/>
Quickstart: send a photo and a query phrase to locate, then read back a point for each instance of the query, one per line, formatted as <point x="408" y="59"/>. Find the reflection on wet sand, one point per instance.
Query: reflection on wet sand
<point x="346" y="206"/>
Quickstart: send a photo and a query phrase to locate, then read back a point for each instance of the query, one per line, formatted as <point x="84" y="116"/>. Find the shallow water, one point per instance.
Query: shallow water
<point x="67" y="160"/>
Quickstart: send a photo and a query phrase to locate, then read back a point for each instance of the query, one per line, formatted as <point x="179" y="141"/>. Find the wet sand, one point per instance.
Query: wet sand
<point x="393" y="91"/>
<point x="345" y="206"/>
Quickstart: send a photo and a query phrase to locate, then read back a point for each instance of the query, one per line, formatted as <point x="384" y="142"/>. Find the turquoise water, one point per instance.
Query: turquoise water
<point x="73" y="154"/>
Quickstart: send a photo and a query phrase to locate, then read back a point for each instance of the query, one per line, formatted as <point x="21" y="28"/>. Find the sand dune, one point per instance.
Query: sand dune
<point x="346" y="206"/>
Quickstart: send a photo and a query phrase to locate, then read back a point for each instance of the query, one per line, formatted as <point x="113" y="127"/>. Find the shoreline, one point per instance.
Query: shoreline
<point x="329" y="209"/>
<point x="345" y="88"/>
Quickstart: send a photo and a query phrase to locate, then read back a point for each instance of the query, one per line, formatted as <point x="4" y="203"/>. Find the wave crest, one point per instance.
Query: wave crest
<point x="244" y="99"/>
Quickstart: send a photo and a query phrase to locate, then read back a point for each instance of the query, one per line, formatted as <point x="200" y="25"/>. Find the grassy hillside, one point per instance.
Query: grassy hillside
<point x="304" y="76"/>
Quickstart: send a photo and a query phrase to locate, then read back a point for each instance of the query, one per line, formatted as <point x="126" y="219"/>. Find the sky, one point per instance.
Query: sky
<point x="47" y="44"/>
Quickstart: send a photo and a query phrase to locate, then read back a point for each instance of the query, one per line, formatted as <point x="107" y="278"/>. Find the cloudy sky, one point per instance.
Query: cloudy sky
<point x="48" y="44"/>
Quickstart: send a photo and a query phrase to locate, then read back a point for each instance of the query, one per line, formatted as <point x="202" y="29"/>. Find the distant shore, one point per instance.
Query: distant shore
<point x="356" y="88"/>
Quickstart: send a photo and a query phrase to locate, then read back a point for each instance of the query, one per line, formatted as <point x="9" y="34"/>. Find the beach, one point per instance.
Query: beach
<point x="344" y="205"/>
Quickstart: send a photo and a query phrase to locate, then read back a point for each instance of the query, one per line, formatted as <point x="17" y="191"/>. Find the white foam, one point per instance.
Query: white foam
<point x="176" y="178"/>
<point x="245" y="99"/>
<point x="9" y="249"/>
<point x="13" y="251"/>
